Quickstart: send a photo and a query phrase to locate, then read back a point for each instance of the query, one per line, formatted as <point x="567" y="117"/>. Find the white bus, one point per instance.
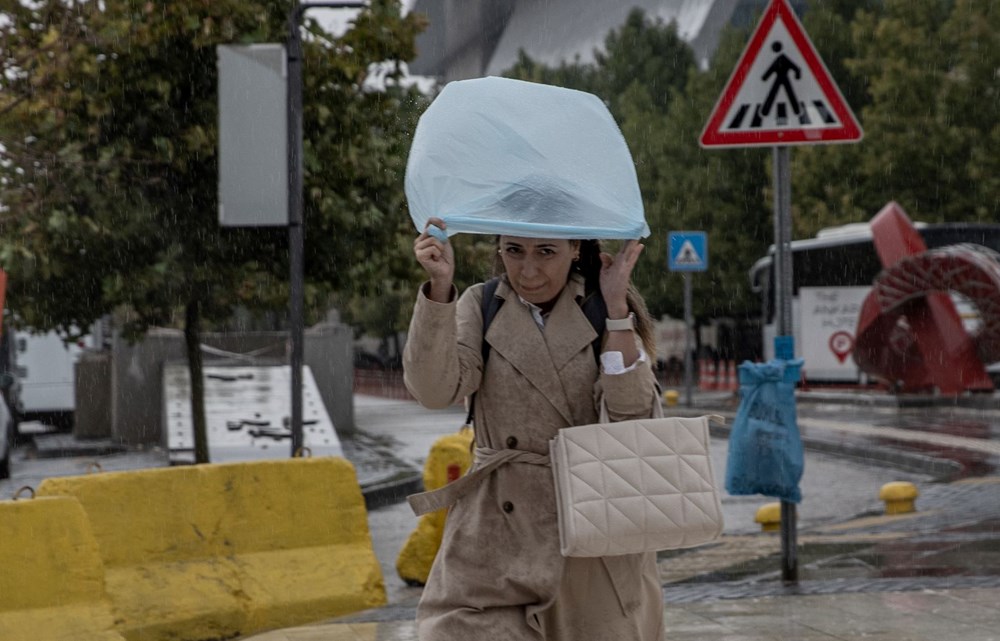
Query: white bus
<point x="832" y="275"/>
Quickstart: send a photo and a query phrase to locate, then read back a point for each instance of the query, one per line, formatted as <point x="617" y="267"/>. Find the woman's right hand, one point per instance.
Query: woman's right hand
<point x="438" y="260"/>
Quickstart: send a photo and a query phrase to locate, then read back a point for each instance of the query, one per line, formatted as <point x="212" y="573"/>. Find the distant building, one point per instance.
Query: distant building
<point x="474" y="38"/>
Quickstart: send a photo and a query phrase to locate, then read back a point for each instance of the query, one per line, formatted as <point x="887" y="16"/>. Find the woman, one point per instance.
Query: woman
<point x="499" y="574"/>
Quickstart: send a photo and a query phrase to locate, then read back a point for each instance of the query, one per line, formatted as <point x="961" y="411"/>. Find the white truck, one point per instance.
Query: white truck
<point x="45" y="367"/>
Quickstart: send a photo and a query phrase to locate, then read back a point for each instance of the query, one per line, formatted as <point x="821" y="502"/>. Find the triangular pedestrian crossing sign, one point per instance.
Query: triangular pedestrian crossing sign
<point x="780" y="92"/>
<point x="688" y="256"/>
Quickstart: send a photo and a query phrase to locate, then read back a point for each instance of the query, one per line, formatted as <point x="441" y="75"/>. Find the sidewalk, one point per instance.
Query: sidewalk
<point x="933" y="575"/>
<point x="931" y="615"/>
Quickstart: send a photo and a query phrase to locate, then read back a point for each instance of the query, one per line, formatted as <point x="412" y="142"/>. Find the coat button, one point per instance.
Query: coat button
<point x="508" y="507"/>
<point x="511" y="442"/>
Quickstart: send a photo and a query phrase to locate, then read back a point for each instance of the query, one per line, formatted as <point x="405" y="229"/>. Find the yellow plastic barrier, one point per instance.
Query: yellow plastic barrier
<point x="449" y="458"/>
<point x="298" y="533"/>
<point x="215" y="551"/>
<point x="51" y="579"/>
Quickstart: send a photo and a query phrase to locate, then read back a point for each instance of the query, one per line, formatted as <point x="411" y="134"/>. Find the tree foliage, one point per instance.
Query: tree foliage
<point x="108" y="120"/>
<point x="925" y="85"/>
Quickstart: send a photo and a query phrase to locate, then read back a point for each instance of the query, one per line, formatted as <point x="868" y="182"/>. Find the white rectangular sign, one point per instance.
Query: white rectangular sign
<point x="253" y="135"/>
<point x="828" y="317"/>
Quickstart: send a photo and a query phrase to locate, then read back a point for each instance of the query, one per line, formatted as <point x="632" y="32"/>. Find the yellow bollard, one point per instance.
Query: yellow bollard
<point x="899" y="497"/>
<point x="769" y="517"/>
<point x="670" y="397"/>
<point x="449" y="458"/>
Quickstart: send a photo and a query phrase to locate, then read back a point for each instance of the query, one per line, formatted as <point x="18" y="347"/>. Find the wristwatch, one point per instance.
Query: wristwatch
<point x="620" y="324"/>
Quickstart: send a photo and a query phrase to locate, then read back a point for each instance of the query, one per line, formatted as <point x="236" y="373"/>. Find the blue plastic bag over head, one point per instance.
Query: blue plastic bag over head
<point x="765" y="449"/>
<point x="501" y="156"/>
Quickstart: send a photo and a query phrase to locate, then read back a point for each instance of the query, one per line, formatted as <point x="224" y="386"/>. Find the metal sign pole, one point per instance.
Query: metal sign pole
<point x="783" y="293"/>
<point x="688" y="329"/>
<point x="687" y="251"/>
<point x="296" y="224"/>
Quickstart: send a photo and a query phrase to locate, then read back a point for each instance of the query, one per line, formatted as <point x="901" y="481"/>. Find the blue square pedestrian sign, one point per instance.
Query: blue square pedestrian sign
<point x="687" y="251"/>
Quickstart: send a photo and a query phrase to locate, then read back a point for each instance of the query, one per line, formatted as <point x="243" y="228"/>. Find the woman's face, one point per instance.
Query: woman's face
<point x="538" y="268"/>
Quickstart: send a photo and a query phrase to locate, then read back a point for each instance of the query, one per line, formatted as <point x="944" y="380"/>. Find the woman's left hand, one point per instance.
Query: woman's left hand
<point x="616" y="274"/>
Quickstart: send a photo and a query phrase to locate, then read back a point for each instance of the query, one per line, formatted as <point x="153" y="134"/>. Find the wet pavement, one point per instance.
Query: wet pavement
<point x="931" y="575"/>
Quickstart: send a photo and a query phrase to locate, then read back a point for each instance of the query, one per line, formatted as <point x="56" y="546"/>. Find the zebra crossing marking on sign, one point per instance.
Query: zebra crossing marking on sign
<point x="780" y="92"/>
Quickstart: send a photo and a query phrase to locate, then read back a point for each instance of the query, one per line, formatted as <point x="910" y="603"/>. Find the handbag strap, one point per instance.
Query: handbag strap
<point x="657" y="409"/>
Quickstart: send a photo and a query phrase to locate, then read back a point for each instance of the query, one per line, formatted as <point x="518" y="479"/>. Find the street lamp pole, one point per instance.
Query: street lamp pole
<point x="296" y="226"/>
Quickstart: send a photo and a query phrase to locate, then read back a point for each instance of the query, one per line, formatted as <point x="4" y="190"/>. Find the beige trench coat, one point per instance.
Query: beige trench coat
<point x="499" y="574"/>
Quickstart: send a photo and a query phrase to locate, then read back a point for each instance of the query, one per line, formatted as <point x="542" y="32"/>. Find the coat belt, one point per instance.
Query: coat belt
<point x="486" y="460"/>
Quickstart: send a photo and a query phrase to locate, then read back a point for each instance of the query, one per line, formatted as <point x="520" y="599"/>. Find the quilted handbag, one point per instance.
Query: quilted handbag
<point x="635" y="486"/>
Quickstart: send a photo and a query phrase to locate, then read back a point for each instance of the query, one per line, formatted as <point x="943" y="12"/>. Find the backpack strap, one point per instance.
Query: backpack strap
<point x="491" y="305"/>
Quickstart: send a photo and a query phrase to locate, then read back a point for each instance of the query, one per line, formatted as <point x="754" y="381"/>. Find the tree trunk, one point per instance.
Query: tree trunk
<point x="192" y="337"/>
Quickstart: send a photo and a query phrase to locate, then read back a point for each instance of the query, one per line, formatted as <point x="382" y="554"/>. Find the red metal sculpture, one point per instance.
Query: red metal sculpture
<point x="909" y="332"/>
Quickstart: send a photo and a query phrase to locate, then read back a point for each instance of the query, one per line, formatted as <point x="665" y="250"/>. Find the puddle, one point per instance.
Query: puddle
<point x="960" y="552"/>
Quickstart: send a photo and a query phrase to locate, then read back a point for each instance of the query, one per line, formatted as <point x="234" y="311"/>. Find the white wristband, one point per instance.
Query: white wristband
<point x="620" y="324"/>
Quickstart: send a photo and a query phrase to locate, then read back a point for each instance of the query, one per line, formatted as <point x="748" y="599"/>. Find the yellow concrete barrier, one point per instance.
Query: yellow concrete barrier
<point x="51" y="578"/>
<point x="216" y="551"/>
<point x="449" y="458"/>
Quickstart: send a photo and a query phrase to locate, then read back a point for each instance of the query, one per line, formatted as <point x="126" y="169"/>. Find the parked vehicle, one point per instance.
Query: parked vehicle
<point x="45" y="365"/>
<point x="832" y="274"/>
<point x="7" y="425"/>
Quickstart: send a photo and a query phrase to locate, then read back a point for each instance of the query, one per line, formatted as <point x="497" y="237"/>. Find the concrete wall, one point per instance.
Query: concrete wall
<point x="92" y="389"/>
<point x="329" y="353"/>
<point x="137" y="373"/>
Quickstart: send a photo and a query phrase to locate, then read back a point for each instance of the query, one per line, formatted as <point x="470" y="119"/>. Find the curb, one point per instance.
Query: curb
<point x="392" y="491"/>
<point x="63" y="445"/>
<point x="396" y="489"/>
<point x="941" y="470"/>
<point x="973" y="402"/>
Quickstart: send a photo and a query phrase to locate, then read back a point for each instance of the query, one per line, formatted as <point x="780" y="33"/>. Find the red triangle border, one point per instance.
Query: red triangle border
<point x="850" y="131"/>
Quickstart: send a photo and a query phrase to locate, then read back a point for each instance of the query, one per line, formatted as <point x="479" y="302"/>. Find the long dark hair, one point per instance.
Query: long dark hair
<point x="589" y="266"/>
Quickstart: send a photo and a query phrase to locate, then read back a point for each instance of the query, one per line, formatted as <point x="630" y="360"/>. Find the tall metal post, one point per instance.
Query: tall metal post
<point x="783" y="294"/>
<point x="296" y="223"/>
<point x="688" y="329"/>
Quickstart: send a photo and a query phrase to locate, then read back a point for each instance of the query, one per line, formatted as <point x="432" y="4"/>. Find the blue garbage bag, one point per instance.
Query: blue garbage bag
<point x="501" y="156"/>
<point x="765" y="450"/>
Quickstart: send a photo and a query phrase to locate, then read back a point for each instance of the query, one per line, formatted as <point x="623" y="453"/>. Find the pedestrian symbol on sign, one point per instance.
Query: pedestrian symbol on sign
<point x="688" y="256"/>
<point x="780" y="68"/>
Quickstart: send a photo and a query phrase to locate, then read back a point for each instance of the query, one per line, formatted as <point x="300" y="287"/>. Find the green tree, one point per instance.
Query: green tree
<point x="108" y="124"/>
<point x="928" y="101"/>
<point x="720" y="191"/>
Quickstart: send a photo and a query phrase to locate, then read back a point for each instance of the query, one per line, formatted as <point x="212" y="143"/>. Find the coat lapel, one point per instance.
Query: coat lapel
<point x="514" y="335"/>
<point x="568" y="331"/>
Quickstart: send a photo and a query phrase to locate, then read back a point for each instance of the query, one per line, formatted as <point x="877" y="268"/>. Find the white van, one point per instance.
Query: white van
<point x="45" y="367"/>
